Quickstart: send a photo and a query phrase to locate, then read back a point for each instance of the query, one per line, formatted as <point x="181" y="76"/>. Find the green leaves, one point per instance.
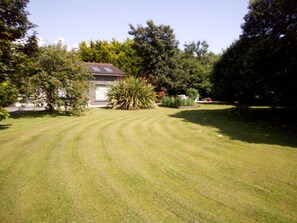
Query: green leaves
<point x="176" y="102"/>
<point x="260" y="68"/>
<point x="3" y="114"/>
<point x="61" y="80"/>
<point x="122" y="55"/>
<point x="132" y="93"/>
<point x="157" y="46"/>
<point x="168" y="68"/>
<point x="8" y="93"/>
<point x="270" y="18"/>
<point x="192" y="93"/>
<point x="13" y="19"/>
<point x="17" y="50"/>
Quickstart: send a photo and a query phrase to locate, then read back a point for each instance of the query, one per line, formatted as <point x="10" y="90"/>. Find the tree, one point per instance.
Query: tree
<point x="198" y="64"/>
<point x="127" y="58"/>
<point x="14" y="59"/>
<point x="7" y="96"/>
<point x="272" y="28"/>
<point x="122" y="55"/>
<point x="261" y="66"/>
<point x="271" y="19"/>
<point x="157" y="47"/>
<point x="60" y="80"/>
<point x="14" y="22"/>
<point x="227" y="73"/>
<point x="198" y="50"/>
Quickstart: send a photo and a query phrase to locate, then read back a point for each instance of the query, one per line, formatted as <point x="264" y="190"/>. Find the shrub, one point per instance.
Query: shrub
<point x="192" y="93"/>
<point x="175" y="102"/>
<point x="132" y="93"/>
<point x="171" y="102"/>
<point x="3" y="113"/>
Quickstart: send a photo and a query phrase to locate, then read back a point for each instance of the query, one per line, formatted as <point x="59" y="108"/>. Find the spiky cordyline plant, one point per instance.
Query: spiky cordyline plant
<point x="132" y="93"/>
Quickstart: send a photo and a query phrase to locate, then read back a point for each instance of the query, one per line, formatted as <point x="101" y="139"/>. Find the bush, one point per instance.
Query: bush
<point x="132" y="93"/>
<point x="175" y="102"/>
<point x="3" y="113"/>
<point x="192" y="93"/>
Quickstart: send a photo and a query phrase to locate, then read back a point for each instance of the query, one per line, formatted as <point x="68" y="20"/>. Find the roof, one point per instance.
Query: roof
<point x="103" y="69"/>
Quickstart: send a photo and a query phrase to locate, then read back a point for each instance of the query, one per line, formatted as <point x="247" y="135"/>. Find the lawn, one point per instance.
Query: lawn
<point x="165" y="165"/>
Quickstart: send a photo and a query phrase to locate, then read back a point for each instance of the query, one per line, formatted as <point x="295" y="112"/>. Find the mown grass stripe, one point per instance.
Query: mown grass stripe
<point x="29" y="169"/>
<point x="130" y="138"/>
<point x="162" y="165"/>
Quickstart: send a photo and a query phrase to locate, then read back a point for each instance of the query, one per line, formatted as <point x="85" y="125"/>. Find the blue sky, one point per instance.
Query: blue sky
<point x="216" y="21"/>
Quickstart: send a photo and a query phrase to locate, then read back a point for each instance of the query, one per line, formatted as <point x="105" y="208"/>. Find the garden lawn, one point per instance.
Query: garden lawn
<point x="164" y="165"/>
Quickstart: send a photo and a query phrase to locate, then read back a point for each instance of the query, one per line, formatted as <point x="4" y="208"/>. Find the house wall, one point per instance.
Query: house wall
<point x="99" y="80"/>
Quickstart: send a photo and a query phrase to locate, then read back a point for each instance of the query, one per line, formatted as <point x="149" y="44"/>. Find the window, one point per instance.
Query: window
<point x="97" y="69"/>
<point x="108" y="69"/>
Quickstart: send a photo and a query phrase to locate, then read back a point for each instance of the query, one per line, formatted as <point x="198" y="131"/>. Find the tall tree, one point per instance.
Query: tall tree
<point x="227" y="74"/>
<point x="127" y="58"/>
<point x="60" y="80"/>
<point x="198" y="62"/>
<point x="14" y="25"/>
<point x="264" y="66"/>
<point x="157" y="46"/>
<point x="14" y="22"/>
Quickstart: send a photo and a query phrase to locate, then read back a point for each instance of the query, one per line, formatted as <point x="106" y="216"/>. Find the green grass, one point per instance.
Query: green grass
<point x="164" y="165"/>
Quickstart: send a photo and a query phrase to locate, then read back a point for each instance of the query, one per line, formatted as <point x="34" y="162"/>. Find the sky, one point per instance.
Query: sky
<point x="73" y="21"/>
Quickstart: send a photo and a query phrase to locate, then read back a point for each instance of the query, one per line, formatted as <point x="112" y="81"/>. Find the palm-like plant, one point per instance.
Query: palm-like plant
<point x="131" y="94"/>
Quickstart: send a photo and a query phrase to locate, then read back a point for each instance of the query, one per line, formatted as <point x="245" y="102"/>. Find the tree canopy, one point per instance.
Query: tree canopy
<point x="122" y="55"/>
<point x="166" y="66"/>
<point x="14" y="56"/>
<point x="157" y="46"/>
<point x="260" y="68"/>
<point x="60" y="80"/>
<point x="14" y="22"/>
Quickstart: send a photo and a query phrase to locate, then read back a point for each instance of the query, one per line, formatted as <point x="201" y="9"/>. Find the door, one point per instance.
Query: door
<point x="101" y="92"/>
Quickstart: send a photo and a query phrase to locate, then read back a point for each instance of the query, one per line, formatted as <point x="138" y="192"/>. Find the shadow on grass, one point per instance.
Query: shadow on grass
<point x="5" y="126"/>
<point x="35" y="114"/>
<point x="259" y="125"/>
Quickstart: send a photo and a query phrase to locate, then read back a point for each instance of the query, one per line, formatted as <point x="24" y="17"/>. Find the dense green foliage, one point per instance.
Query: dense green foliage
<point x="169" y="68"/>
<point x="192" y="93"/>
<point x="157" y="46"/>
<point x="132" y="93"/>
<point x="16" y="49"/>
<point x="8" y="93"/>
<point x="197" y="62"/>
<point x="60" y="81"/>
<point x="3" y="113"/>
<point x="260" y="68"/>
<point x="122" y="55"/>
<point x="176" y="102"/>
<point x="14" y="23"/>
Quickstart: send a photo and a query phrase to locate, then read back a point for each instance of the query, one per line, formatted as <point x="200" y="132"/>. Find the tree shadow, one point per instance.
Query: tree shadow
<point x="5" y="126"/>
<point x="259" y="125"/>
<point x="35" y="114"/>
